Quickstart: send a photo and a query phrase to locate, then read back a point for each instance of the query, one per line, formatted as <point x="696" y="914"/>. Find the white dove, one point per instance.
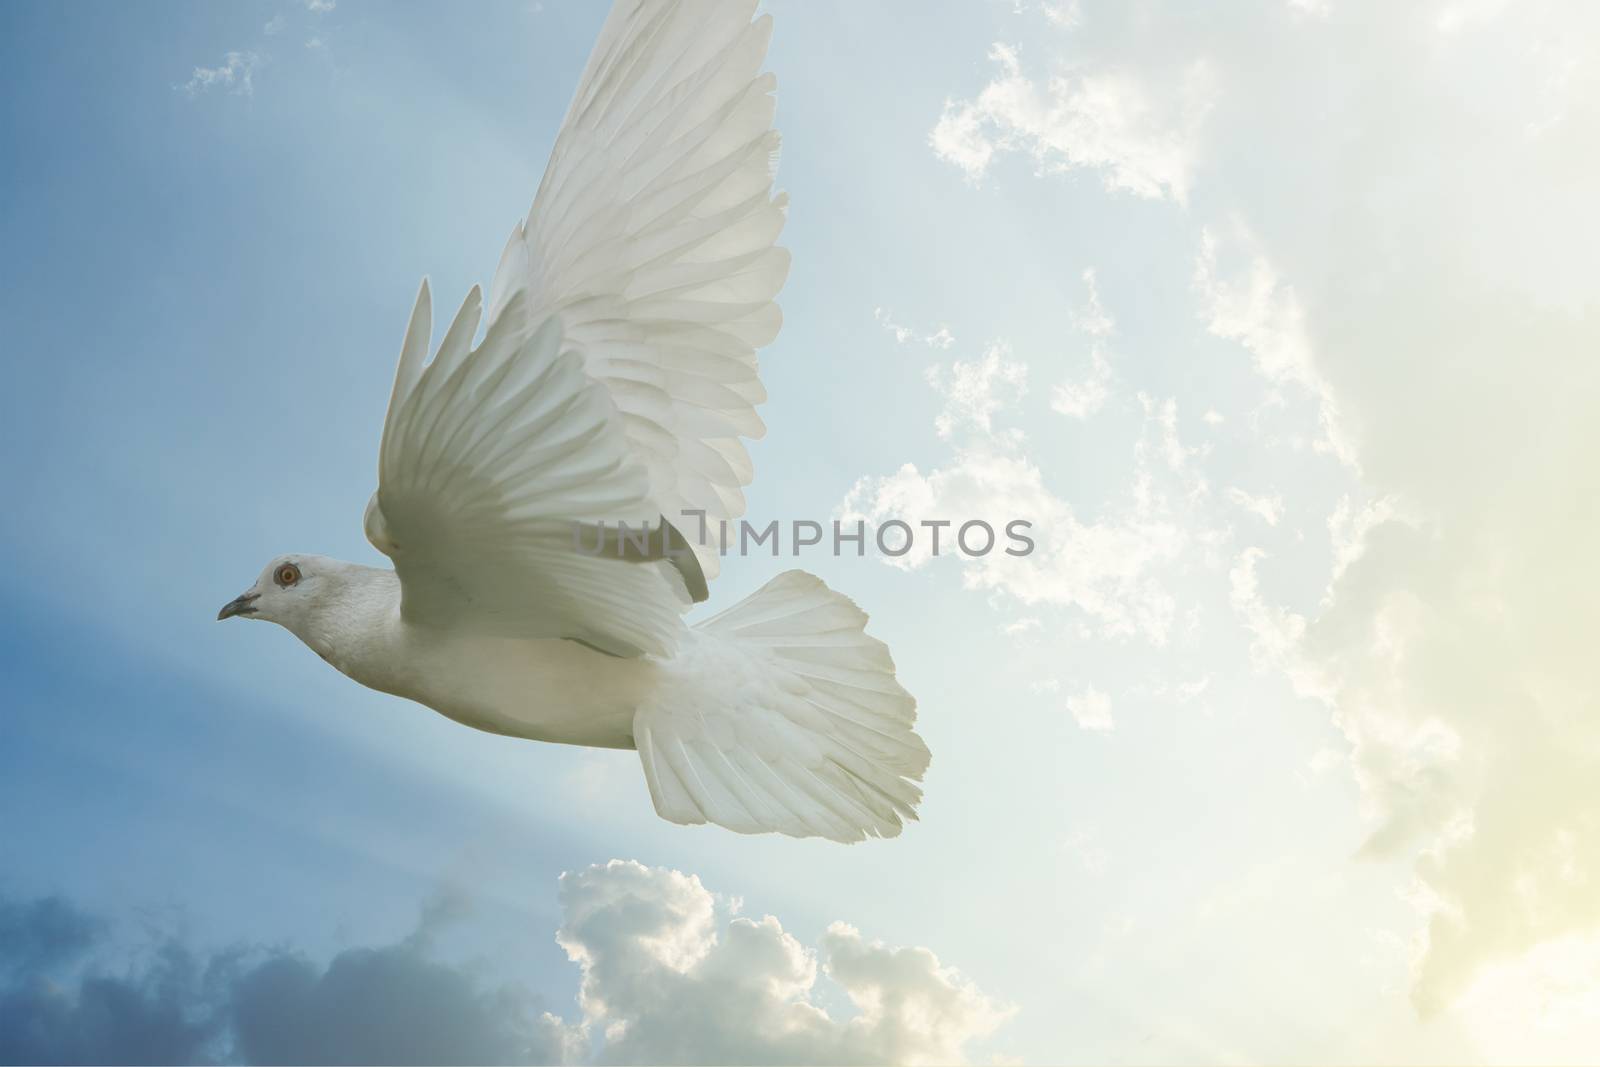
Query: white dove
<point x="615" y="381"/>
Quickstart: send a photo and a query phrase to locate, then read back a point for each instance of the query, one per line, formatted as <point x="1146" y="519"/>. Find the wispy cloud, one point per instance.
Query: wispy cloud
<point x="1083" y="397"/>
<point x="1112" y="568"/>
<point x="1268" y="507"/>
<point x="1255" y="306"/>
<point x="941" y="338"/>
<point x="975" y="391"/>
<point x="235" y="75"/>
<point x="1091" y="710"/>
<point x="1141" y="137"/>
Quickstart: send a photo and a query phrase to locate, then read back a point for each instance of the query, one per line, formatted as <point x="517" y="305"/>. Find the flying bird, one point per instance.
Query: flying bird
<point x="615" y="382"/>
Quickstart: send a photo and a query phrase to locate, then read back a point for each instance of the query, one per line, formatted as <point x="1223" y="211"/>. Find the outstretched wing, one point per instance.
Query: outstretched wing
<point x="652" y="235"/>
<point x="648" y="259"/>
<point x="492" y="459"/>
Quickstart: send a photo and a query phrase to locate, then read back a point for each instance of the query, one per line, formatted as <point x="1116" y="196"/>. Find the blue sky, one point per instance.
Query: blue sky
<point x="1162" y="752"/>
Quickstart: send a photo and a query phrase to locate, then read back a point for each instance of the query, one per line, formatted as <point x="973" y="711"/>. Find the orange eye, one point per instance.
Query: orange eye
<point x="287" y="575"/>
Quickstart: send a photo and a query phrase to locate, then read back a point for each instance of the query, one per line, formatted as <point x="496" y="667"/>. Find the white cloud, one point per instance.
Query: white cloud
<point x="941" y="338"/>
<point x="1275" y="632"/>
<point x="1349" y="527"/>
<point x="1254" y="306"/>
<point x="1092" y="318"/>
<point x="1140" y="136"/>
<point x="1266" y="507"/>
<point x="973" y="392"/>
<point x="274" y="25"/>
<point x="1109" y="569"/>
<point x="1468" y="14"/>
<point x="234" y="75"/>
<point x="1410" y="243"/>
<point x="1083" y="847"/>
<point x="1425" y="281"/>
<point x="665" y="981"/>
<point x="1083" y="398"/>
<point x="1080" y="399"/>
<point x="1064" y="13"/>
<point x="1112" y="569"/>
<point x="321" y="7"/>
<point x="1091" y="709"/>
<point x="1543" y="1007"/>
<point x="901" y="334"/>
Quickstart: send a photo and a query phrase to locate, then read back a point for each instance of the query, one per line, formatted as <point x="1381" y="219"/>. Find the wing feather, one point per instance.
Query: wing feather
<point x="487" y="464"/>
<point x="653" y="235"/>
<point x="618" y="378"/>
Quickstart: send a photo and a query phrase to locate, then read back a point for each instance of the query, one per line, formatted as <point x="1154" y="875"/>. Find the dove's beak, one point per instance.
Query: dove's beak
<point x="240" y="605"/>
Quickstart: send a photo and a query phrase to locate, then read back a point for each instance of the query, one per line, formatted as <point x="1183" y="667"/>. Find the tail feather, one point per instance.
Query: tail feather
<point x="785" y="717"/>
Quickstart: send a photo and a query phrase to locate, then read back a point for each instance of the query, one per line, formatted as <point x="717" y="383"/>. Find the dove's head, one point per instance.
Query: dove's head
<point x="288" y="591"/>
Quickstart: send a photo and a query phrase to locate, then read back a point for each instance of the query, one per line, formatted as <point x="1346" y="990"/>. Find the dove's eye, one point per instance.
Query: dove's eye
<point x="287" y="575"/>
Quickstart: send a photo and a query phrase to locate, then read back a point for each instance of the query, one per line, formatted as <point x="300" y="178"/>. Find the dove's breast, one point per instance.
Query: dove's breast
<point x="544" y="690"/>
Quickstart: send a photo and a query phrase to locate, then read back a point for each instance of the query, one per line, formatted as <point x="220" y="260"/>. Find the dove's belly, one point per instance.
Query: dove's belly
<point x="557" y="691"/>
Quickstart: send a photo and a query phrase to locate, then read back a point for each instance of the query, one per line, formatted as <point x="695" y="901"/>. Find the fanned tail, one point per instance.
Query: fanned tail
<point x="788" y="718"/>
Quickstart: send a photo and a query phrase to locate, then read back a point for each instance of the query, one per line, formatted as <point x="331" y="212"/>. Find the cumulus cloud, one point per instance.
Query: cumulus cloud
<point x="392" y="1004"/>
<point x="665" y="982"/>
<point x="1416" y="253"/>
<point x="666" y="977"/>
<point x="145" y="1016"/>
<point x="1141" y="136"/>
<point x="1542" y="1007"/>
<point x="1450" y="650"/>
<point x="63" y="999"/>
<point x="235" y="75"/>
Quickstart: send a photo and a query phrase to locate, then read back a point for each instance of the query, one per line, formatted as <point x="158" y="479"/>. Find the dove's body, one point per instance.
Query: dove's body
<point x="615" y="382"/>
<point x="541" y="689"/>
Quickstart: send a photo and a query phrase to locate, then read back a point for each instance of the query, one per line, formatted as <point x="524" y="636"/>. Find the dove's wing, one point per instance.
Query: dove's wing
<point x="492" y="458"/>
<point x="652" y="235"/>
<point x="651" y="242"/>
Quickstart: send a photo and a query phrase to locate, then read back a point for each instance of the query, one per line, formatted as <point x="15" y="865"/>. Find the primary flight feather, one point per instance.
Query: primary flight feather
<point x="614" y="384"/>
